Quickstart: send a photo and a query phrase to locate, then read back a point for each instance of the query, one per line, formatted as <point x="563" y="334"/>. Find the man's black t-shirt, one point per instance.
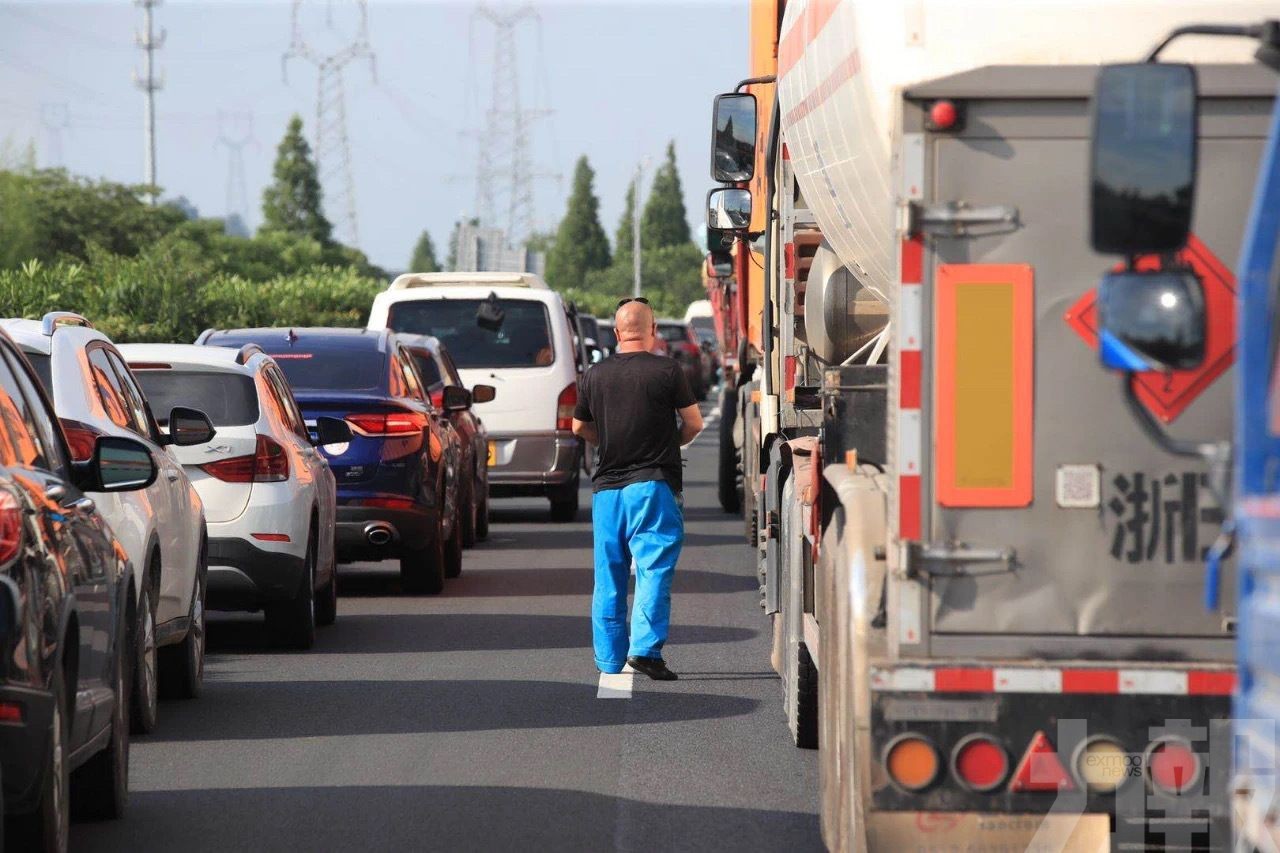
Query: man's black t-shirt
<point x="632" y="397"/>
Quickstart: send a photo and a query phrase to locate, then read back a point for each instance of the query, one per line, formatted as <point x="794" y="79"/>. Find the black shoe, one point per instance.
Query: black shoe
<point x="655" y="668"/>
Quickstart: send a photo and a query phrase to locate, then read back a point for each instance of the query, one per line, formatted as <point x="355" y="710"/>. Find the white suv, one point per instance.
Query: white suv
<point x="162" y="526"/>
<point x="268" y="494"/>
<point x="511" y="331"/>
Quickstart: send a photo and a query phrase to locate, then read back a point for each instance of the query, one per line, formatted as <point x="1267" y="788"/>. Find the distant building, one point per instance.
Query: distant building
<point x="482" y="249"/>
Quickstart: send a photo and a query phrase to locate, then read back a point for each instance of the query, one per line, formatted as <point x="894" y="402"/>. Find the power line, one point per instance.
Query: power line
<point x="149" y="41"/>
<point x="333" y="145"/>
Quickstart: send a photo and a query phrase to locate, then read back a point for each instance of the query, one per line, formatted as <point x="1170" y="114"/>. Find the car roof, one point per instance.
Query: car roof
<point x="467" y="291"/>
<point x="430" y="342"/>
<point x="284" y="338"/>
<point x="30" y="334"/>
<point x="411" y="280"/>
<point x="188" y="354"/>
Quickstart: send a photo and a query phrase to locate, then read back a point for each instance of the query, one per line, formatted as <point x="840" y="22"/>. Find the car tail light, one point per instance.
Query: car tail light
<point x="912" y="762"/>
<point x="979" y="762"/>
<point x="10" y="712"/>
<point x="268" y="464"/>
<point x="10" y="526"/>
<point x="565" y="405"/>
<point x="380" y="424"/>
<point x="1173" y="767"/>
<point x="1102" y="764"/>
<point x="1040" y="768"/>
<point x="80" y="440"/>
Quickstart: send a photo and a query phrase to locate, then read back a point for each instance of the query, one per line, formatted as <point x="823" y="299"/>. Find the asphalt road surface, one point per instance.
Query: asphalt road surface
<point x="474" y="720"/>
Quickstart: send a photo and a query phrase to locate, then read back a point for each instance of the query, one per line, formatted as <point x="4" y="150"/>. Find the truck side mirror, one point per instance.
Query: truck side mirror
<point x="1151" y="320"/>
<point x="728" y="209"/>
<point x="1143" y="158"/>
<point x="733" y="138"/>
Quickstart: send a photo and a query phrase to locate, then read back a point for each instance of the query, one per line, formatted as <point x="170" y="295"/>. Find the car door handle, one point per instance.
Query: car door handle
<point x="172" y="476"/>
<point x="56" y="492"/>
<point x="85" y="505"/>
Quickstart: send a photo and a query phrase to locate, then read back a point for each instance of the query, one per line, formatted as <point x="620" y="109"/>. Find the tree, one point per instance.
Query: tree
<point x="664" y="222"/>
<point x="581" y="244"/>
<point x="292" y="203"/>
<point x="624" y="238"/>
<point x="424" y="255"/>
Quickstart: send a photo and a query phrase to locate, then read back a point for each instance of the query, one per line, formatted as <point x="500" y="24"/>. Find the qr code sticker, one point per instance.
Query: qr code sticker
<point x="1079" y="486"/>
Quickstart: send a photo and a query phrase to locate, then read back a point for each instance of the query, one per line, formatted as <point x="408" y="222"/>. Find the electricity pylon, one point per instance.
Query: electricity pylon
<point x="235" y="132"/>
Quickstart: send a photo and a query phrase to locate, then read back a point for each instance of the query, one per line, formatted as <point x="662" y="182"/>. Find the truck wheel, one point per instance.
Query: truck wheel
<point x="750" y="478"/>
<point x="802" y="706"/>
<point x="729" y="474"/>
<point x="422" y="570"/>
<point x="293" y="623"/>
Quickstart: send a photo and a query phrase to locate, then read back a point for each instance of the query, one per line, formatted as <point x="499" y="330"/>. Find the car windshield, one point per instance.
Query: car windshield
<point x="523" y="340"/>
<point x="229" y="399"/>
<point x="44" y="371"/>
<point x="671" y="333"/>
<point x="334" y="369"/>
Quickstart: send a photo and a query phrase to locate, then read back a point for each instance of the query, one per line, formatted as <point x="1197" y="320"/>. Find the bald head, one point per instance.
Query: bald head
<point x="634" y="326"/>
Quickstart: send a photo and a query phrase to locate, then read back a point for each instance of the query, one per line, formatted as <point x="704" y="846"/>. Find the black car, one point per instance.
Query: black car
<point x="66" y="614"/>
<point x="448" y="394"/>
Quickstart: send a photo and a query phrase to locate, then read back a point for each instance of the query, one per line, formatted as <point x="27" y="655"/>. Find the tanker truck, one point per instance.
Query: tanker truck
<point x="985" y="581"/>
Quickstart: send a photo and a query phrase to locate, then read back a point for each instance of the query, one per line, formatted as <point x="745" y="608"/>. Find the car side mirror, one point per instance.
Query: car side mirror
<point x="728" y="209"/>
<point x="483" y="393"/>
<point x="188" y="427"/>
<point x="1151" y="320"/>
<point x="118" y="465"/>
<point x="733" y="138"/>
<point x="331" y="431"/>
<point x="1143" y="158"/>
<point x="455" y="399"/>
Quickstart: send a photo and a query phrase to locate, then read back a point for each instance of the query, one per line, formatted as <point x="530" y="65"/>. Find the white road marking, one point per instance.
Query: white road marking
<point x="616" y="685"/>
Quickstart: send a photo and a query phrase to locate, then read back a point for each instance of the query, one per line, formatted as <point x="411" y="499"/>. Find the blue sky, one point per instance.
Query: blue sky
<point x="621" y="78"/>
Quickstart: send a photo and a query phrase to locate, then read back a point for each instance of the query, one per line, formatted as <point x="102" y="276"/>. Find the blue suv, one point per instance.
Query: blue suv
<point x="397" y="477"/>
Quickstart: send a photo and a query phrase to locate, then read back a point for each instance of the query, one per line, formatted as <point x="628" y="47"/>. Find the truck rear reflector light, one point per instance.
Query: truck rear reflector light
<point x="912" y="762"/>
<point x="789" y="255"/>
<point x="984" y="384"/>
<point x="565" y="405"/>
<point x="980" y="763"/>
<point x="1040" y="769"/>
<point x="270" y="537"/>
<point x="1102" y="764"/>
<point x="1173" y="767"/>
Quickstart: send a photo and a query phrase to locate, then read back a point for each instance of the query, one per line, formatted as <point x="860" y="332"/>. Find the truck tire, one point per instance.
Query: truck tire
<point x="729" y="474"/>
<point x="802" y="707"/>
<point x="750" y="475"/>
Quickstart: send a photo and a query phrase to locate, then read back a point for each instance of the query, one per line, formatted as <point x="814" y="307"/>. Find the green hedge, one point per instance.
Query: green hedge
<point x="172" y="290"/>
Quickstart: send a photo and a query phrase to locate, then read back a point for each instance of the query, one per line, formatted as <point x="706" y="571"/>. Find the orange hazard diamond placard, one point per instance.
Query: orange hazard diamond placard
<point x="1167" y="394"/>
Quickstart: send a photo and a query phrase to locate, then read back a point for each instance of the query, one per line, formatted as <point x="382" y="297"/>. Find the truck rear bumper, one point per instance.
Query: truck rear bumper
<point x="974" y="831"/>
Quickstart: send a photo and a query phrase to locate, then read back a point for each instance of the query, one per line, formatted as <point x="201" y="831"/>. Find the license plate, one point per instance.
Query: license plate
<point x="493" y="454"/>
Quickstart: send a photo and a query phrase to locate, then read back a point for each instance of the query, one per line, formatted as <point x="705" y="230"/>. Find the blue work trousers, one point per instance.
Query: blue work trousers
<point x="641" y="521"/>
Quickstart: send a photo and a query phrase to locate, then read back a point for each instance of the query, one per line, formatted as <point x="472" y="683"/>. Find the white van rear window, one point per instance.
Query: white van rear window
<point x="524" y="339"/>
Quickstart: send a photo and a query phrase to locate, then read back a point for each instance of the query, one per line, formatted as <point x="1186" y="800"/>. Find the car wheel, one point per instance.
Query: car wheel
<point x="182" y="665"/>
<point x="327" y="600"/>
<point x="47" y="828"/>
<point x="292" y="623"/>
<point x="468" y="517"/>
<point x="422" y="570"/>
<point x="100" y="788"/>
<point x="482" y="516"/>
<point x="564" y="502"/>
<point x="144" y="711"/>
<point x="453" y="549"/>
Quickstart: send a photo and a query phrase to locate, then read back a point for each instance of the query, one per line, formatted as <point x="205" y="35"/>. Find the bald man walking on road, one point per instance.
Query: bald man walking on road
<point x="627" y="406"/>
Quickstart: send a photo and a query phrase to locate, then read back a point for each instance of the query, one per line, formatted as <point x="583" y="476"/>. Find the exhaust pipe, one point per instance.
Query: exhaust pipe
<point x="378" y="533"/>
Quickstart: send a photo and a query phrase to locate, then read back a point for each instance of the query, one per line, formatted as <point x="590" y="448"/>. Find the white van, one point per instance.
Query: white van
<point x="511" y="331"/>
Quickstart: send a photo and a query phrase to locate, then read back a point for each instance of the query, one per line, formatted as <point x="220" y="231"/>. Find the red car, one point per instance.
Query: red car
<point x="437" y="370"/>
